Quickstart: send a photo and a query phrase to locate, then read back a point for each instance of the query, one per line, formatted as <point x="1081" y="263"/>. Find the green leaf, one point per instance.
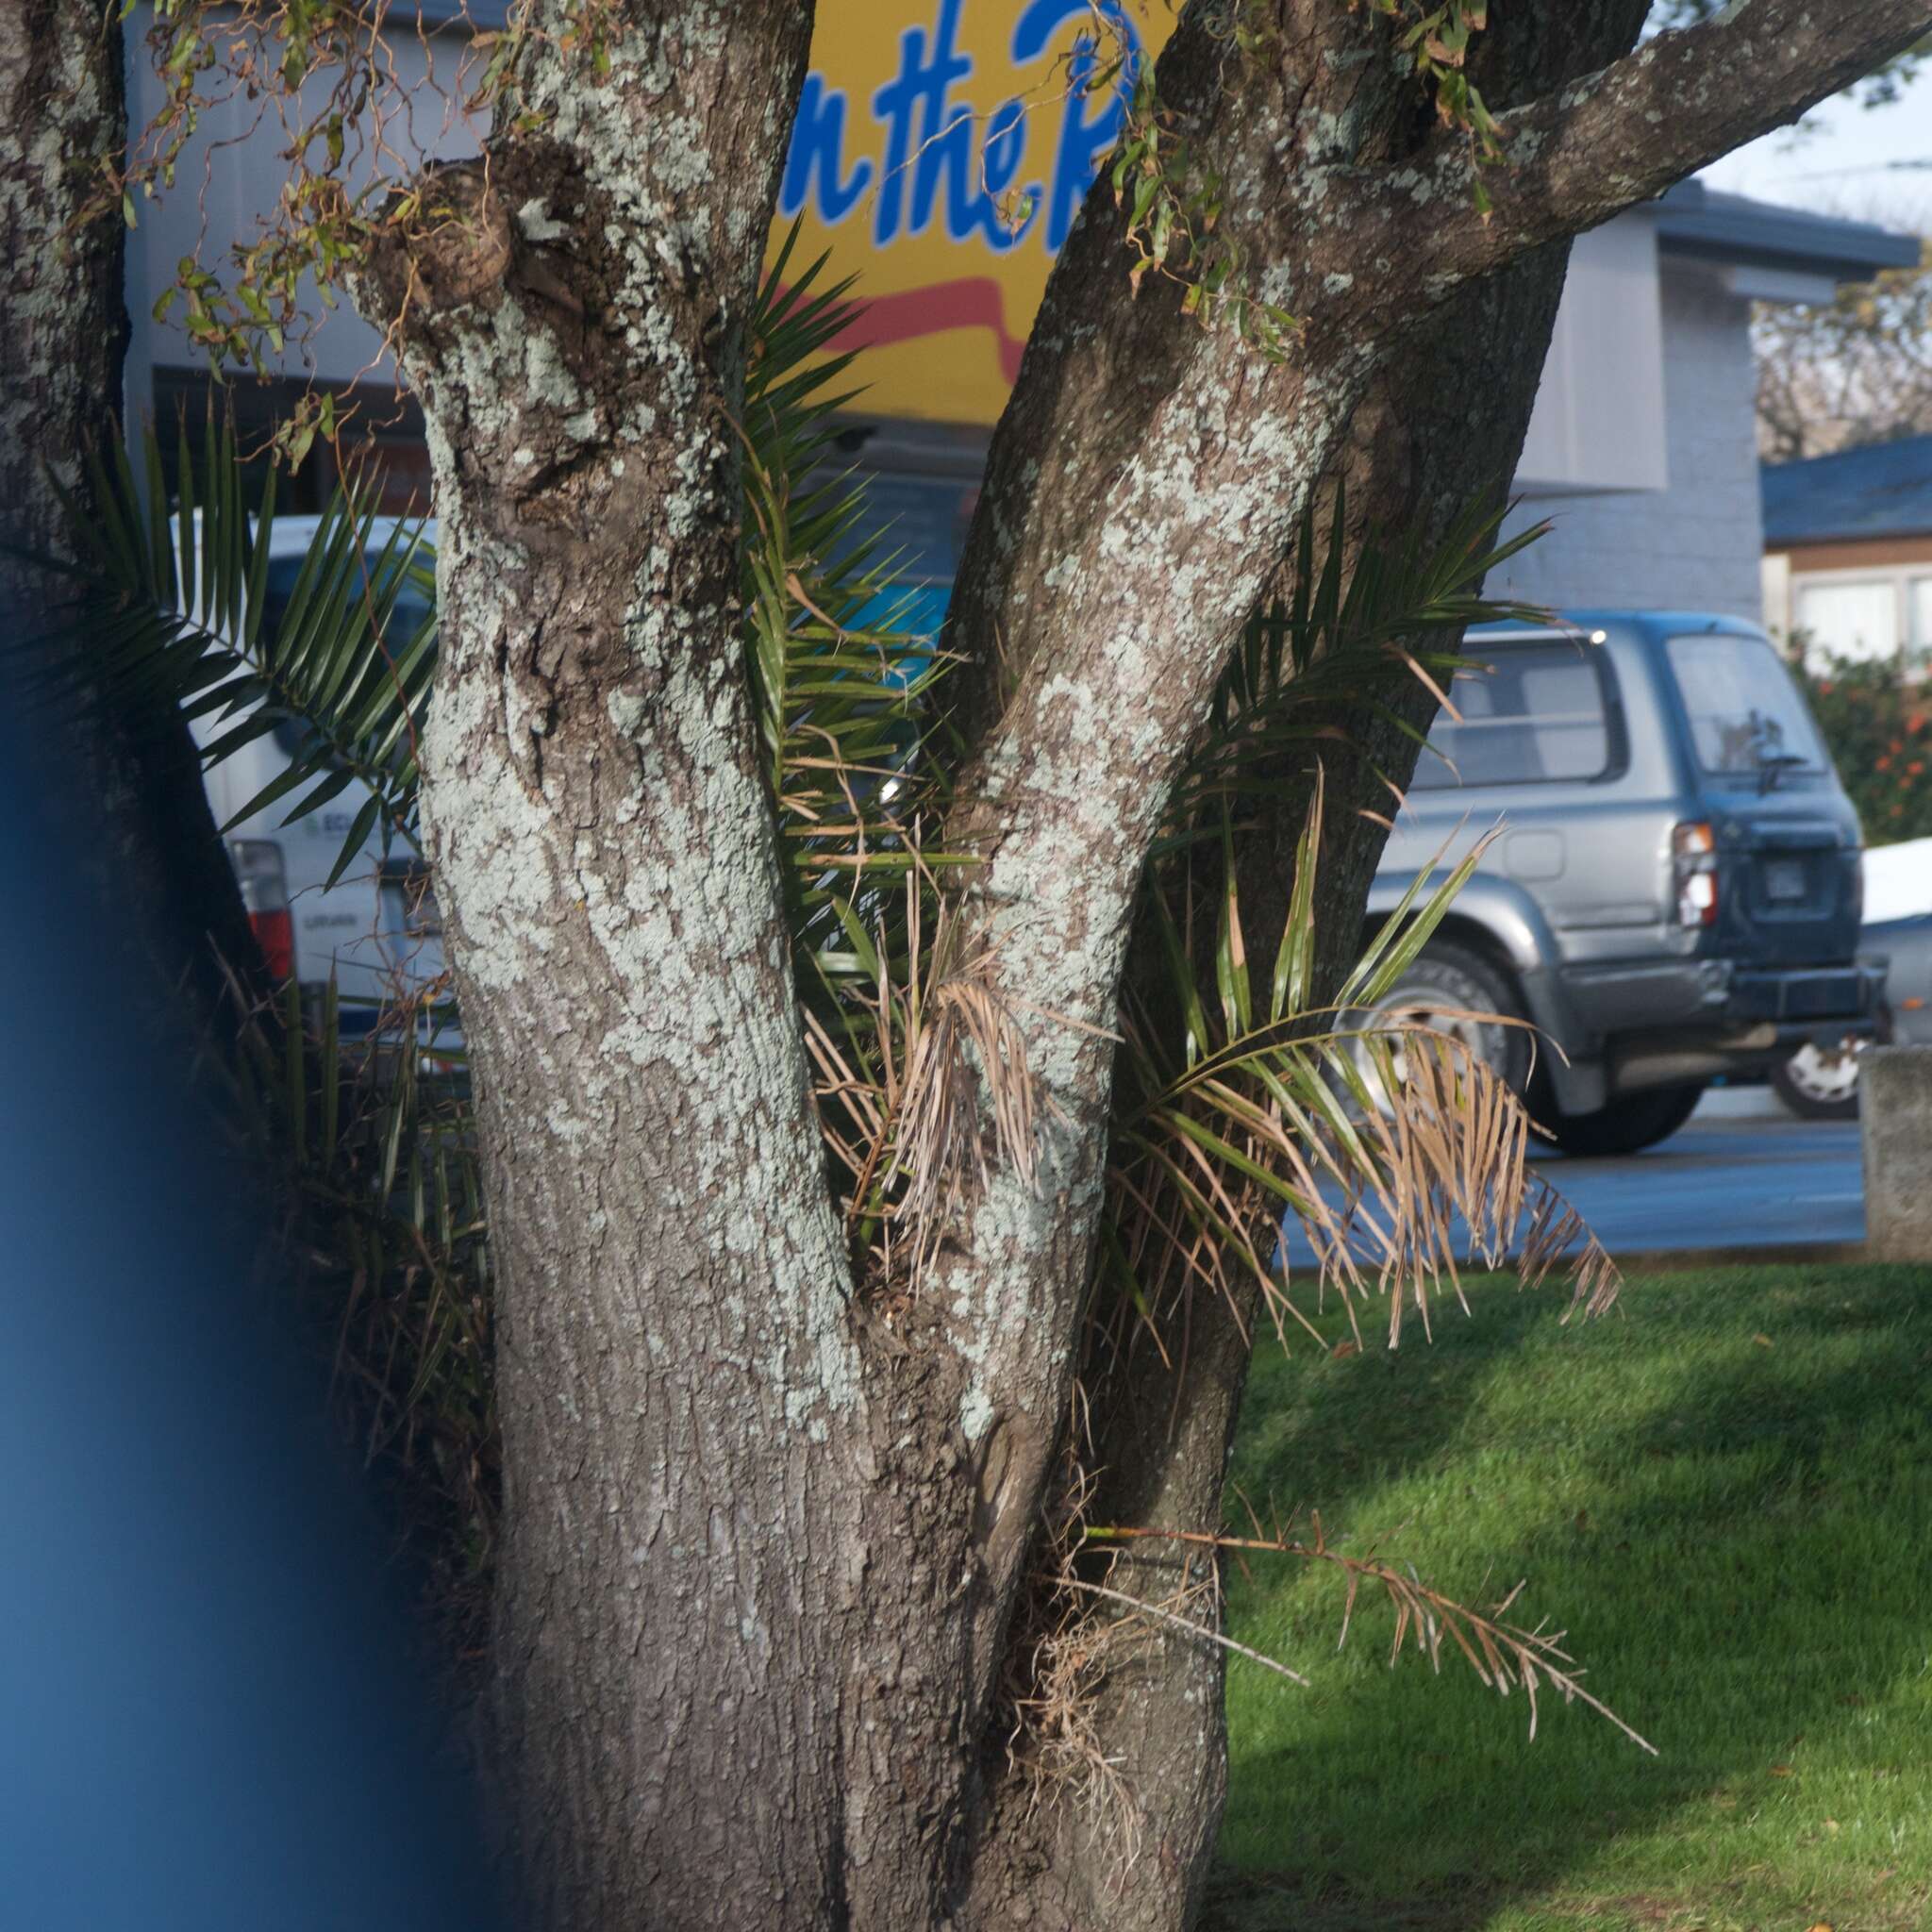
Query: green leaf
<point x="1294" y="962"/>
<point x="358" y="837"/>
<point x="1230" y="955"/>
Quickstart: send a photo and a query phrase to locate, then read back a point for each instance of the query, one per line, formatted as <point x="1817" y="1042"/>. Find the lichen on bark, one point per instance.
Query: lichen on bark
<point x="762" y="1558"/>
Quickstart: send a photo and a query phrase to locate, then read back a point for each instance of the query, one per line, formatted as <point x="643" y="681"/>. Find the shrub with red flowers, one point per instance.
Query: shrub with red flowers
<point x="1876" y="720"/>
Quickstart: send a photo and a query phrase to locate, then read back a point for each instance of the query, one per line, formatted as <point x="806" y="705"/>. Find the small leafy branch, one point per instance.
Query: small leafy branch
<point x="320" y="67"/>
<point x="326" y="72"/>
<point x="1175" y="199"/>
<point x="1436" y="38"/>
<point x="1174" y="195"/>
<point x="1174" y="202"/>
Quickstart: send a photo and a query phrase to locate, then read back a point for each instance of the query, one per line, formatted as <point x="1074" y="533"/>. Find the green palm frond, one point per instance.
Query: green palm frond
<point x="1261" y="1109"/>
<point x="1334" y="640"/>
<point x="367" y="1143"/>
<point x="844" y="689"/>
<point x="176" y="611"/>
<point x="856" y="747"/>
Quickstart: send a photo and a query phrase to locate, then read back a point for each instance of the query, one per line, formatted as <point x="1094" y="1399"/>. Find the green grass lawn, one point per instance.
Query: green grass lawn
<point x="1723" y="1492"/>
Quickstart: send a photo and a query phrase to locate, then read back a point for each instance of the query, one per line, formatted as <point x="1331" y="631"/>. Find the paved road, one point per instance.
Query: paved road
<point x="1736" y="1177"/>
<point x="1743" y="1174"/>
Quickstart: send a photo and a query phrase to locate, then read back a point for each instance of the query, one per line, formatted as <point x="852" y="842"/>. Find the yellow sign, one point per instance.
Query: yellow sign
<point x="941" y="151"/>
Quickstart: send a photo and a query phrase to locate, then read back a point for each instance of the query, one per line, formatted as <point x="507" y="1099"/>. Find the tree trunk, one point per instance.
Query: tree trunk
<point x="764" y="1536"/>
<point x="1430" y="435"/>
<point x="164" y="898"/>
<point x="727" y="1651"/>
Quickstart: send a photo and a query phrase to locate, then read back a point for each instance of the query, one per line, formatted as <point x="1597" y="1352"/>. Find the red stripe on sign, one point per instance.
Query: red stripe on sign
<point x="971" y="302"/>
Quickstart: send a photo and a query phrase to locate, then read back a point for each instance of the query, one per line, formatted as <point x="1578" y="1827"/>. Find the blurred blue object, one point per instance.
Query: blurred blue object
<point x="919" y="610"/>
<point x="213" y="1710"/>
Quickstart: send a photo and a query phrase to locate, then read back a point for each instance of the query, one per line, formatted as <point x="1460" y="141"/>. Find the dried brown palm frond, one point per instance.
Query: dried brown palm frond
<point x="933" y="1090"/>
<point x="1057" y="1658"/>
<point x="956" y="1013"/>
<point x="1504" y="1656"/>
<point x="1450" y="1145"/>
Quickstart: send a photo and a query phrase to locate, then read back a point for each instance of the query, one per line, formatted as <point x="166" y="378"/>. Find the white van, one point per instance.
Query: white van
<point x="376" y="931"/>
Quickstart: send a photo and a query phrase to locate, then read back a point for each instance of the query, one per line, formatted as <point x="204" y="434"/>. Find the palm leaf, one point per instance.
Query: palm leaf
<point x="174" y="613"/>
<point x="1270" y="1111"/>
<point x="1332" y="642"/>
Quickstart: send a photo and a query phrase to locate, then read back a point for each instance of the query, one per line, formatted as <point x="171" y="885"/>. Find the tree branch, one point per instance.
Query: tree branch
<point x="1616" y="138"/>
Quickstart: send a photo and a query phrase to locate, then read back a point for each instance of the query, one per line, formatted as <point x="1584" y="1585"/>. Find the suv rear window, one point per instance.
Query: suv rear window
<point x="1531" y="713"/>
<point x="1746" y="714"/>
<point x="293" y="735"/>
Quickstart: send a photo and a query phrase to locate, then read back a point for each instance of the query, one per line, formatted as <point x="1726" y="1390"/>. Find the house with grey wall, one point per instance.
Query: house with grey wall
<point x="1642" y="451"/>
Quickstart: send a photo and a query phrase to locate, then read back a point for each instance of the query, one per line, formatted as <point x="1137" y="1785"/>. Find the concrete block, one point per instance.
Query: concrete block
<point x="1896" y="1112"/>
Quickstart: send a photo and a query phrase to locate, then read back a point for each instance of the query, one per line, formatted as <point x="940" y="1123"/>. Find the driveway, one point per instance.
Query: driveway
<point x="1743" y="1174"/>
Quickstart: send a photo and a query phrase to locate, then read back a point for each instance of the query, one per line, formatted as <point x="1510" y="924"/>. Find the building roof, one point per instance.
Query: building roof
<point x="1884" y="489"/>
<point x="1692" y="218"/>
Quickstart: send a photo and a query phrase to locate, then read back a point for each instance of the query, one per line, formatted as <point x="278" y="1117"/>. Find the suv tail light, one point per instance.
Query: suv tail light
<point x="265" y="893"/>
<point x="1693" y="870"/>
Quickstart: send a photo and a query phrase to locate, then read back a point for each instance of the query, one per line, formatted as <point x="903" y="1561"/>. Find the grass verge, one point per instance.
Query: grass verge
<point x="1724" y="1493"/>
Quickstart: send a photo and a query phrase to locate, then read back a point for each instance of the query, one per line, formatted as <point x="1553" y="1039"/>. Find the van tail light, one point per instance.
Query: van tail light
<point x="1693" y="870"/>
<point x="264" y="883"/>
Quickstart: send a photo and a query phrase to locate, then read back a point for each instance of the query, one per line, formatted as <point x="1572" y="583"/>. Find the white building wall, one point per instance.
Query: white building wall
<point x="1696" y="543"/>
<point x="1598" y="423"/>
<point x="228" y="180"/>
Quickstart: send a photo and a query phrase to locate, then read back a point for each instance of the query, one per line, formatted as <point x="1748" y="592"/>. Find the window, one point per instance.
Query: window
<point x="1851" y="619"/>
<point x="1530" y="712"/>
<point x="1746" y="714"/>
<point x="1920" y="592"/>
<point x="406" y="615"/>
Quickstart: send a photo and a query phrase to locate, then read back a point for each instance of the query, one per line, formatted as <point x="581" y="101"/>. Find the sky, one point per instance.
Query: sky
<point x="1845" y="162"/>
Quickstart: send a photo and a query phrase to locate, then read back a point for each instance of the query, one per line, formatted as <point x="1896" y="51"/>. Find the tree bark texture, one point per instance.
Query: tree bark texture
<point x="163" y="897"/>
<point x="727" y="1653"/>
<point x="763" y="1553"/>
<point x="1431" y="434"/>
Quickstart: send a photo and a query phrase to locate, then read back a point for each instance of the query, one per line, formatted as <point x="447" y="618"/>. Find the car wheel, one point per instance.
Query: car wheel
<point x="1821" y="1083"/>
<point x="1451" y="992"/>
<point x="1626" y="1126"/>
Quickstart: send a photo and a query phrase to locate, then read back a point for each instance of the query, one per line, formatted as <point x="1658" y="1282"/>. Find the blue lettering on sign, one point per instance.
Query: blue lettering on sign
<point x="936" y="162"/>
<point x="1083" y="140"/>
<point x="913" y="105"/>
<point x="817" y="136"/>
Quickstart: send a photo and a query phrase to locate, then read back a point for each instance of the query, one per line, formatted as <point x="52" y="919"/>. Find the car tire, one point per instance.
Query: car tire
<point x="1627" y="1125"/>
<point x="1460" y="985"/>
<point x="1817" y="1087"/>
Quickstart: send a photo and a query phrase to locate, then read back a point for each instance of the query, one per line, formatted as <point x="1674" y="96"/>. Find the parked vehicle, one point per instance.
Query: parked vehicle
<point x="1821" y="1080"/>
<point x="1675" y="890"/>
<point x="376" y="930"/>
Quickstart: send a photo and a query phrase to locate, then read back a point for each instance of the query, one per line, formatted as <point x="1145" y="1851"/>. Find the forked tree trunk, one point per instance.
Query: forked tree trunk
<point x="727" y="1641"/>
<point x="1431" y="434"/>
<point x="123" y="780"/>
<point x="763" y="1541"/>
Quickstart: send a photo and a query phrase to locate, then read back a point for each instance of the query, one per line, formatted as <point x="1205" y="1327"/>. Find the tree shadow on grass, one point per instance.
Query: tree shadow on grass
<point x="1733" y="1521"/>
